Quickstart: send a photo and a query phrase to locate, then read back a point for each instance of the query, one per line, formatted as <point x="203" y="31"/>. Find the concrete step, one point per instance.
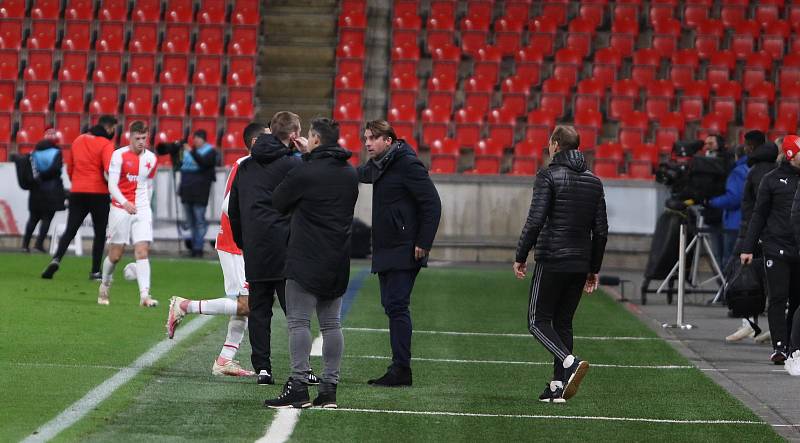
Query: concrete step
<point x="300" y="5"/>
<point x="298" y="56"/>
<point x="295" y="86"/>
<point x="306" y="109"/>
<point x="300" y="25"/>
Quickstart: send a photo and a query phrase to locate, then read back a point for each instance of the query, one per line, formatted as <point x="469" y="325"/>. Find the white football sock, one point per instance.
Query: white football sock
<point x="217" y="306"/>
<point x="569" y="361"/>
<point x="108" y="271"/>
<point x="236" y="327"/>
<point x="555" y="384"/>
<point x="143" y="277"/>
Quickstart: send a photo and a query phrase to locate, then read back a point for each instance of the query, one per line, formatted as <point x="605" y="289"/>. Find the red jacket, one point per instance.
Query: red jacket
<point x="91" y="155"/>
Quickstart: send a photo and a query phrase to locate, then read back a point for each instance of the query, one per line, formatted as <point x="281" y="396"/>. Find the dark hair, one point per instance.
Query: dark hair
<point x="284" y="123"/>
<point x="381" y="128"/>
<point x="566" y="137"/>
<point x="107" y="120"/>
<point x="756" y="138"/>
<point x="202" y="134"/>
<point x="251" y="131"/>
<point x="328" y="130"/>
<point x="138" y="127"/>
<point x="720" y="142"/>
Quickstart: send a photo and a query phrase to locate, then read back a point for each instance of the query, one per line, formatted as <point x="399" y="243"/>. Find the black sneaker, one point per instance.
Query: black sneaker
<point x="574" y="375"/>
<point x="552" y="396"/>
<point x="50" y="270"/>
<point x="312" y="379"/>
<point x="326" y="397"/>
<point x="778" y="356"/>
<point x="265" y="378"/>
<point x="294" y="395"/>
<point x="96" y="276"/>
<point x="395" y="376"/>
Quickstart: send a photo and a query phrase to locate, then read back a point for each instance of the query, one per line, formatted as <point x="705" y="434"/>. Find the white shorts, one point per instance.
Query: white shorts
<point x="233" y="274"/>
<point x="126" y="229"/>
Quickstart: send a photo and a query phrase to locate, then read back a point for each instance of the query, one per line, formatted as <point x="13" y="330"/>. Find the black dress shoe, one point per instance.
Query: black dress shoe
<point x="50" y="270"/>
<point x="395" y="376"/>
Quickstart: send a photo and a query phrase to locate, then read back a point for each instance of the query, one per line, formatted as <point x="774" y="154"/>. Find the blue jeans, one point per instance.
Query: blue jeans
<point x="195" y="214"/>
<point x="728" y="246"/>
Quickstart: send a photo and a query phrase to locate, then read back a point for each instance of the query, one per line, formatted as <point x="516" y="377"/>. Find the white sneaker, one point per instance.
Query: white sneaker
<point x="743" y="332"/>
<point x="764" y="337"/>
<point x="102" y="294"/>
<point x="231" y="368"/>
<point x="175" y="315"/>
<point x="792" y="364"/>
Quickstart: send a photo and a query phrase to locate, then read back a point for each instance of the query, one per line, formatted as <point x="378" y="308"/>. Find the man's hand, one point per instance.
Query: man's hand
<point x="746" y="258"/>
<point x="128" y="206"/>
<point x="520" y="269"/>
<point x="420" y="253"/>
<point x="301" y="143"/>
<point x="591" y="283"/>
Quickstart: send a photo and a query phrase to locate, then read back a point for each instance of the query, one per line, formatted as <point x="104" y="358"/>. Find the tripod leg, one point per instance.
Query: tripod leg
<point x="645" y="286"/>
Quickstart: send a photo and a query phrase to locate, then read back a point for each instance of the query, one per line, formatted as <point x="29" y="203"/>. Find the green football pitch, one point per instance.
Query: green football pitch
<point x="477" y="372"/>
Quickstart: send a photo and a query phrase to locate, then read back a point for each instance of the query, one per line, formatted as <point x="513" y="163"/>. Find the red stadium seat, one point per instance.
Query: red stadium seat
<point x="144" y="38"/>
<point x="789" y="101"/>
<point x="43" y="34"/>
<point x="695" y="12"/>
<point x="68" y="127"/>
<point x="39" y="66"/>
<point x="177" y="39"/>
<point x="508" y="32"/>
<point x="11" y="34"/>
<point x="488" y="154"/>
<point x="13" y="9"/>
<point x="626" y="10"/>
<point x="108" y="68"/>
<point x="588" y="123"/>
<point x="113" y="10"/>
<point x="6" y="127"/>
<point x="170" y="129"/>
<point x="606" y="169"/>
<point x="442" y="9"/>
<point x="36" y="97"/>
<point x="111" y="37"/>
<point x="8" y="93"/>
<point x="240" y="102"/>
<point x="683" y="66"/>
<point x="172" y="101"/>
<point x="707" y="37"/>
<point x="444" y="156"/>
<point x="407" y="23"/>
<point x="691" y="102"/>
<point x="767" y="12"/>
<point x="633" y="127"/>
<point x="588" y="95"/>
<point x="207" y="124"/>
<point x="211" y="12"/>
<point x="77" y="36"/>
<point x="31" y="127"/>
<point x="784" y="124"/>
<point x="139" y="100"/>
<point x="757" y="67"/>
<point x="662" y="10"/>
<point x="665" y="36"/>
<point x="542" y="33"/>
<point x="207" y="70"/>
<point x="244" y="41"/>
<point x="592" y="11"/>
<point x="622" y="101"/>
<point x="580" y="35"/>
<point x="540" y="125"/>
<point x="759" y="98"/>
<point x="241" y="72"/>
<point x="73" y="66"/>
<point x="528" y="63"/>
<point x="142" y="69"/>
<point x="474" y="30"/>
<point x="210" y="40"/>
<point x="555" y="93"/>
<point x="658" y="101"/>
<point x="246" y="13"/>
<point x="527" y="156"/>
<point x="174" y="69"/>
<point x="715" y="124"/>
<point x="515" y="91"/>
<point x="487" y="63"/>
<point x="745" y="34"/>
<point x="46" y="9"/>
<point x="567" y="64"/>
<point x="609" y="151"/>
<point x="732" y="13"/>
<point x="352" y="21"/>
<point x="606" y="65"/>
<point x="205" y="102"/>
<point x="232" y="137"/>
<point x="719" y="67"/>
<point x="9" y="64"/>
<point x="435" y="125"/>
<point x="71" y="97"/>
<point x="789" y="71"/>
<point x="147" y="11"/>
<point x="79" y="10"/>
<point x="468" y="123"/>
<point x="502" y="123"/>
<point x="105" y="99"/>
<point x="646" y="62"/>
<point x="773" y="40"/>
<point x="624" y="33"/>
<point x="757" y="121"/>
<point x="478" y="93"/>
<point x="669" y="130"/>
<point x="555" y="9"/>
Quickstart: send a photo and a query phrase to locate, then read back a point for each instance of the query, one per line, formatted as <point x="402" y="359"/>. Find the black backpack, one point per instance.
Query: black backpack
<point x="744" y="292"/>
<point x="26" y="171"/>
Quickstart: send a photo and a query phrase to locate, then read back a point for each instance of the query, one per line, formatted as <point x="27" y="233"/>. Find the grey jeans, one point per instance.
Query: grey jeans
<point x="300" y="305"/>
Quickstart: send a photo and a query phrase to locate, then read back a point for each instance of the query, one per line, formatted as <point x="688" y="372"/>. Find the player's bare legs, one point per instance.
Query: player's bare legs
<point x="141" y="251"/>
<point x="115" y="252"/>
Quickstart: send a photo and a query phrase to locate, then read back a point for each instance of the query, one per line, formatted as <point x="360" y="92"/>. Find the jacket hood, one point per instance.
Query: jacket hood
<point x="267" y="148"/>
<point x="332" y="151"/>
<point x="766" y="153"/>
<point x="45" y="144"/>
<point x="99" y="131"/>
<point x="398" y="149"/>
<point x="571" y="158"/>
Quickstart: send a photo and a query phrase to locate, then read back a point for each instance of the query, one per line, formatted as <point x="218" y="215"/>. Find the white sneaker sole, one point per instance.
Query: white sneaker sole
<point x="574" y="382"/>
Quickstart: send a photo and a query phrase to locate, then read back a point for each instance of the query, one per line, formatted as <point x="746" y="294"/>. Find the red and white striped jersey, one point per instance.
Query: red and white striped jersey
<point x="129" y="177"/>
<point x="225" y="241"/>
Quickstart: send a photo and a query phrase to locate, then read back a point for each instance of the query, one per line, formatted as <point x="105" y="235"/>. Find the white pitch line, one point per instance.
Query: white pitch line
<point x="553" y="417"/>
<point x="93" y="398"/>
<point x="528" y="363"/>
<point x="498" y="334"/>
<point x="281" y="427"/>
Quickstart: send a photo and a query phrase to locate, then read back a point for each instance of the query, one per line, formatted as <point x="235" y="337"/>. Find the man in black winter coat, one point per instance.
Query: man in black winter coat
<point x="567" y="224"/>
<point x="405" y="216"/>
<point x="320" y="195"/>
<point x="261" y="232"/>
<point x="771" y="225"/>
<point x="761" y="156"/>
<point x="47" y="196"/>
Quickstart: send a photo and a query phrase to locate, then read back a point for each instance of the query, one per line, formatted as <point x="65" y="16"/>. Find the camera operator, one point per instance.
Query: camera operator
<point x="714" y="147"/>
<point x="771" y="224"/>
<point x="197" y="175"/>
<point x="731" y="203"/>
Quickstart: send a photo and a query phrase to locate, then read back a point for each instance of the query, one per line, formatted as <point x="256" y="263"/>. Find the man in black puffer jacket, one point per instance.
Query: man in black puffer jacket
<point x="261" y="232"/>
<point x="321" y="195"/>
<point x="405" y="216"/>
<point x="771" y="224"/>
<point x="567" y="224"/>
<point x="761" y="156"/>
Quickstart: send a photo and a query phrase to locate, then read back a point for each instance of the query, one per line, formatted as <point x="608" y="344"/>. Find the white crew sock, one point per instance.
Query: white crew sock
<point x="569" y="361"/>
<point x="143" y="277"/>
<point x="108" y="271"/>
<point x="217" y="306"/>
<point x="236" y="327"/>
<point x="555" y="384"/>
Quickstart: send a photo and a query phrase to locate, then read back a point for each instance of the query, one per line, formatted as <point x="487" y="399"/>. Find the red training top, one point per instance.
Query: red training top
<point x="91" y="156"/>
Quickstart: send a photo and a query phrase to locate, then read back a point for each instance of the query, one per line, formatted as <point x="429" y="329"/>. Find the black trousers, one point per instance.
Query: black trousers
<point x="396" y="287"/>
<point x="81" y="205"/>
<point x="35" y="217"/>
<point x="554" y="298"/>
<point x="259" y="327"/>
<point x="783" y="285"/>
